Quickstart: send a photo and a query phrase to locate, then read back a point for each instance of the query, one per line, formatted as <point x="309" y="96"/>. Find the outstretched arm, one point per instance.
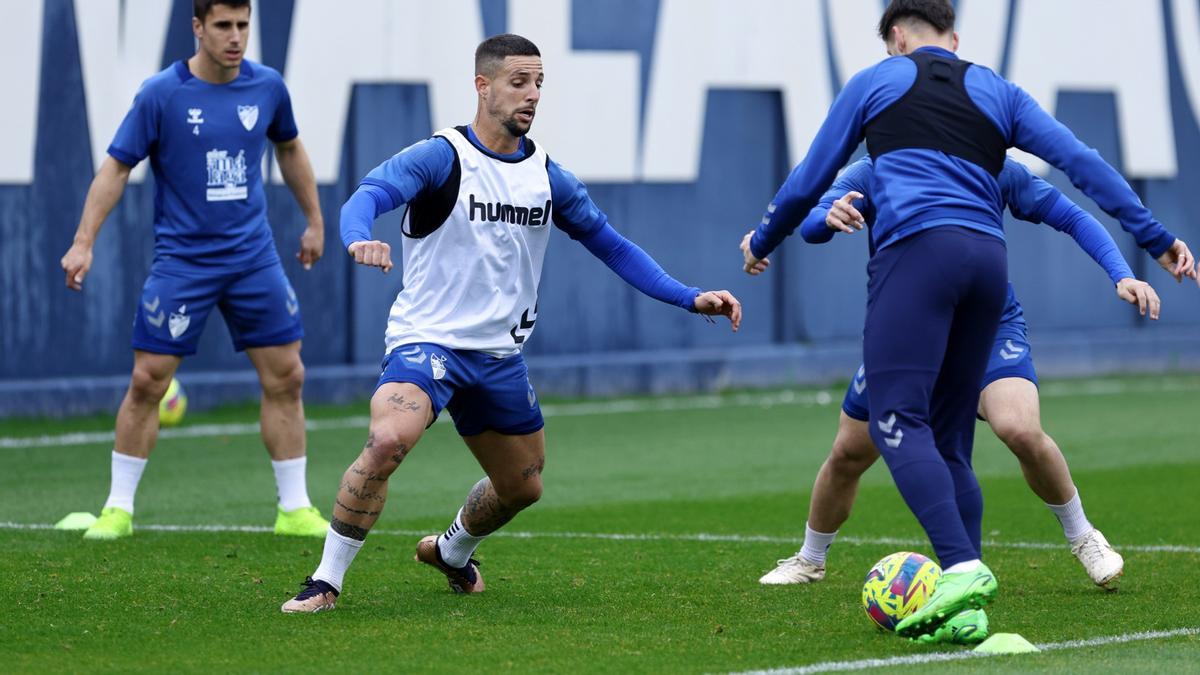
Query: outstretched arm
<point x="106" y="190"/>
<point x="837" y="211"/>
<point x="1034" y="200"/>
<point x="1037" y="132"/>
<point x="844" y="207"/>
<point x="835" y="141"/>
<point x="641" y="271"/>
<point x="576" y="214"/>
<point x="297" y="172"/>
<point x="1068" y="217"/>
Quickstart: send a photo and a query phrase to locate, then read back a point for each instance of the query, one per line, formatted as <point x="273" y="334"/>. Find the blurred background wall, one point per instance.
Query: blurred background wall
<point x="683" y="116"/>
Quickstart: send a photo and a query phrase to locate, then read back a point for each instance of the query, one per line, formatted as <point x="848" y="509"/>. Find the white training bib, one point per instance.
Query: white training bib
<point x="471" y="281"/>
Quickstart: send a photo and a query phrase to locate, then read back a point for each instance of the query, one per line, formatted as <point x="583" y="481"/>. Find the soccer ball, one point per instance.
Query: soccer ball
<point x="173" y="405"/>
<point x="897" y="586"/>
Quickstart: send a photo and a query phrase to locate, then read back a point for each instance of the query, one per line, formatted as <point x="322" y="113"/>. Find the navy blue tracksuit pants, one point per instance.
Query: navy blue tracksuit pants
<point x="933" y="305"/>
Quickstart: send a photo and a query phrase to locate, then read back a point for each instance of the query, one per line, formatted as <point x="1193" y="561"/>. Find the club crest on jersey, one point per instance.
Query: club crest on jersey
<point x="178" y="322"/>
<point x="248" y="114"/>
<point x="534" y="216"/>
<point x="437" y="363"/>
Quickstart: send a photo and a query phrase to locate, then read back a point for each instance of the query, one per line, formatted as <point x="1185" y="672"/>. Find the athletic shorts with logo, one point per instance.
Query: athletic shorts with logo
<point x="259" y="306"/>
<point x="1011" y="357"/>
<point x="482" y="392"/>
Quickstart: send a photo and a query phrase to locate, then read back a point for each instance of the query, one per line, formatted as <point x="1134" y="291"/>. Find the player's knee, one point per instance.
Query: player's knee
<point x="386" y="447"/>
<point x="851" y="456"/>
<point x="287" y="382"/>
<point x="522" y="494"/>
<point x="1027" y="441"/>
<point x="148" y="385"/>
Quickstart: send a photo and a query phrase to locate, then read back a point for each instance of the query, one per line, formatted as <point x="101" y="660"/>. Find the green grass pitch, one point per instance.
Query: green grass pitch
<point x="562" y="597"/>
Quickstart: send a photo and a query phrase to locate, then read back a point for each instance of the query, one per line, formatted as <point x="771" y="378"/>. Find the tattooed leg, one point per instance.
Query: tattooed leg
<point x="514" y="479"/>
<point x="399" y="413"/>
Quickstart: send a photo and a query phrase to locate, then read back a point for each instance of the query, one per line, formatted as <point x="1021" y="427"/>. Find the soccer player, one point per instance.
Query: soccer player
<point x="1009" y="400"/>
<point x="937" y="129"/>
<point x="205" y="123"/>
<point x="480" y="200"/>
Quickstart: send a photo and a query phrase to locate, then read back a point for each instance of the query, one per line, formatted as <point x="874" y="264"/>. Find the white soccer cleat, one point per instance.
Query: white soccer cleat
<point x="793" y="570"/>
<point x="1102" y="563"/>
<point x="315" y="596"/>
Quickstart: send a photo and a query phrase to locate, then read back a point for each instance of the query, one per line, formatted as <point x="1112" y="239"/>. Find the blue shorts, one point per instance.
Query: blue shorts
<point x="1011" y="357"/>
<point x="482" y="392"/>
<point x="259" y="306"/>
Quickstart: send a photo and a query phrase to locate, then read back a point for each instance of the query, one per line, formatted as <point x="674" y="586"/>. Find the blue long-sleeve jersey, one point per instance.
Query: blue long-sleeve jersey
<point x="916" y="189"/>
<point x="427" y="164"/>
<point x="1028" y="197"/>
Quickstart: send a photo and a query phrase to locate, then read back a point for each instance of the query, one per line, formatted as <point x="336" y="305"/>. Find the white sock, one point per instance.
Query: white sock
<point x="816" y="544"/>
<point x="1070" y="515"/>
<point x="968" y="566"/>
<point x="126" y="473"/>
<point x="291" y="484"/>
<point x="335" y="560"/>
<point x="457" y="545"/>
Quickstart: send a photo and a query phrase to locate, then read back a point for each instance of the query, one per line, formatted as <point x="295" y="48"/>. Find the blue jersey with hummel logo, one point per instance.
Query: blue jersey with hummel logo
<point x="205" y="142"/>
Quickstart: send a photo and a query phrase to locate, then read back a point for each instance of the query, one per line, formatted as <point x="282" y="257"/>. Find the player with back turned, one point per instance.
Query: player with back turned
<point x="1009" y="400"/>
<point x="480" y="200"/>
<point x="205" y="122"/>
<point x="937" y="129"/>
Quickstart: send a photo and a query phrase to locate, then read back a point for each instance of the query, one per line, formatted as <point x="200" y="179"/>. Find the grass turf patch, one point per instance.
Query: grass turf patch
<point x="193" y="601"/>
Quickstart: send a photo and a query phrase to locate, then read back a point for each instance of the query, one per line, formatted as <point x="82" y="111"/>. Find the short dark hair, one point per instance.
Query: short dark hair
<point x="201" y="8"/>
<point x="491" y="52"/>
<point x="936" y="13"/>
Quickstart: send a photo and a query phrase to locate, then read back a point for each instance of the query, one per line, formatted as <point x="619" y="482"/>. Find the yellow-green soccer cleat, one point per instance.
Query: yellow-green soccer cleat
<point x="954" y="593"/>
<point x="302" y="522"/>
<point x="968" y="627"/>
<point x="113" y="523"/>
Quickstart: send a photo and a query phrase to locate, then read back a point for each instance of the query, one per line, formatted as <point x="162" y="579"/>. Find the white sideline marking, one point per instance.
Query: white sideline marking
<point x="920" y="659"/>
<point x="612" y="407"/>
<point x="636" y="536"/>
<point x="788" y="397"/>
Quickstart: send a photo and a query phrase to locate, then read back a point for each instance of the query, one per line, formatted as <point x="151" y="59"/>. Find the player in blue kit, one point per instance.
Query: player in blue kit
<point x="937" y="129"/>
<point x="479" y="200"/>
<point x="1009" y="399"/>
<point x="205" y="123"/>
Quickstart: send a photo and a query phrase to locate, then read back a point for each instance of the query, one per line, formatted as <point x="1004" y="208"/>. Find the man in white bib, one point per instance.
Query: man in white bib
<point x="480" y="201"/>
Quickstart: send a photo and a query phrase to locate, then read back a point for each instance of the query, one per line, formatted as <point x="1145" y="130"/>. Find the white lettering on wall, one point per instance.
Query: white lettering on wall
<point x="1187" y="40"/>
<point x="18" y="117"/>
<point x="982" y="25"/>
<point x="333" y="46"/>
<point x="744" y="44"/>
<point x="1102" y="46"/>
<point x="854" y="28"/>
<point x="856" y="44"/>
<point x="588" y="117"/>
<point x="120" y="45"/>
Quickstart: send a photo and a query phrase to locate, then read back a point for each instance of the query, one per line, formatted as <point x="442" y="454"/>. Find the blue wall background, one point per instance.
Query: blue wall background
<point x="64" y="353"/>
